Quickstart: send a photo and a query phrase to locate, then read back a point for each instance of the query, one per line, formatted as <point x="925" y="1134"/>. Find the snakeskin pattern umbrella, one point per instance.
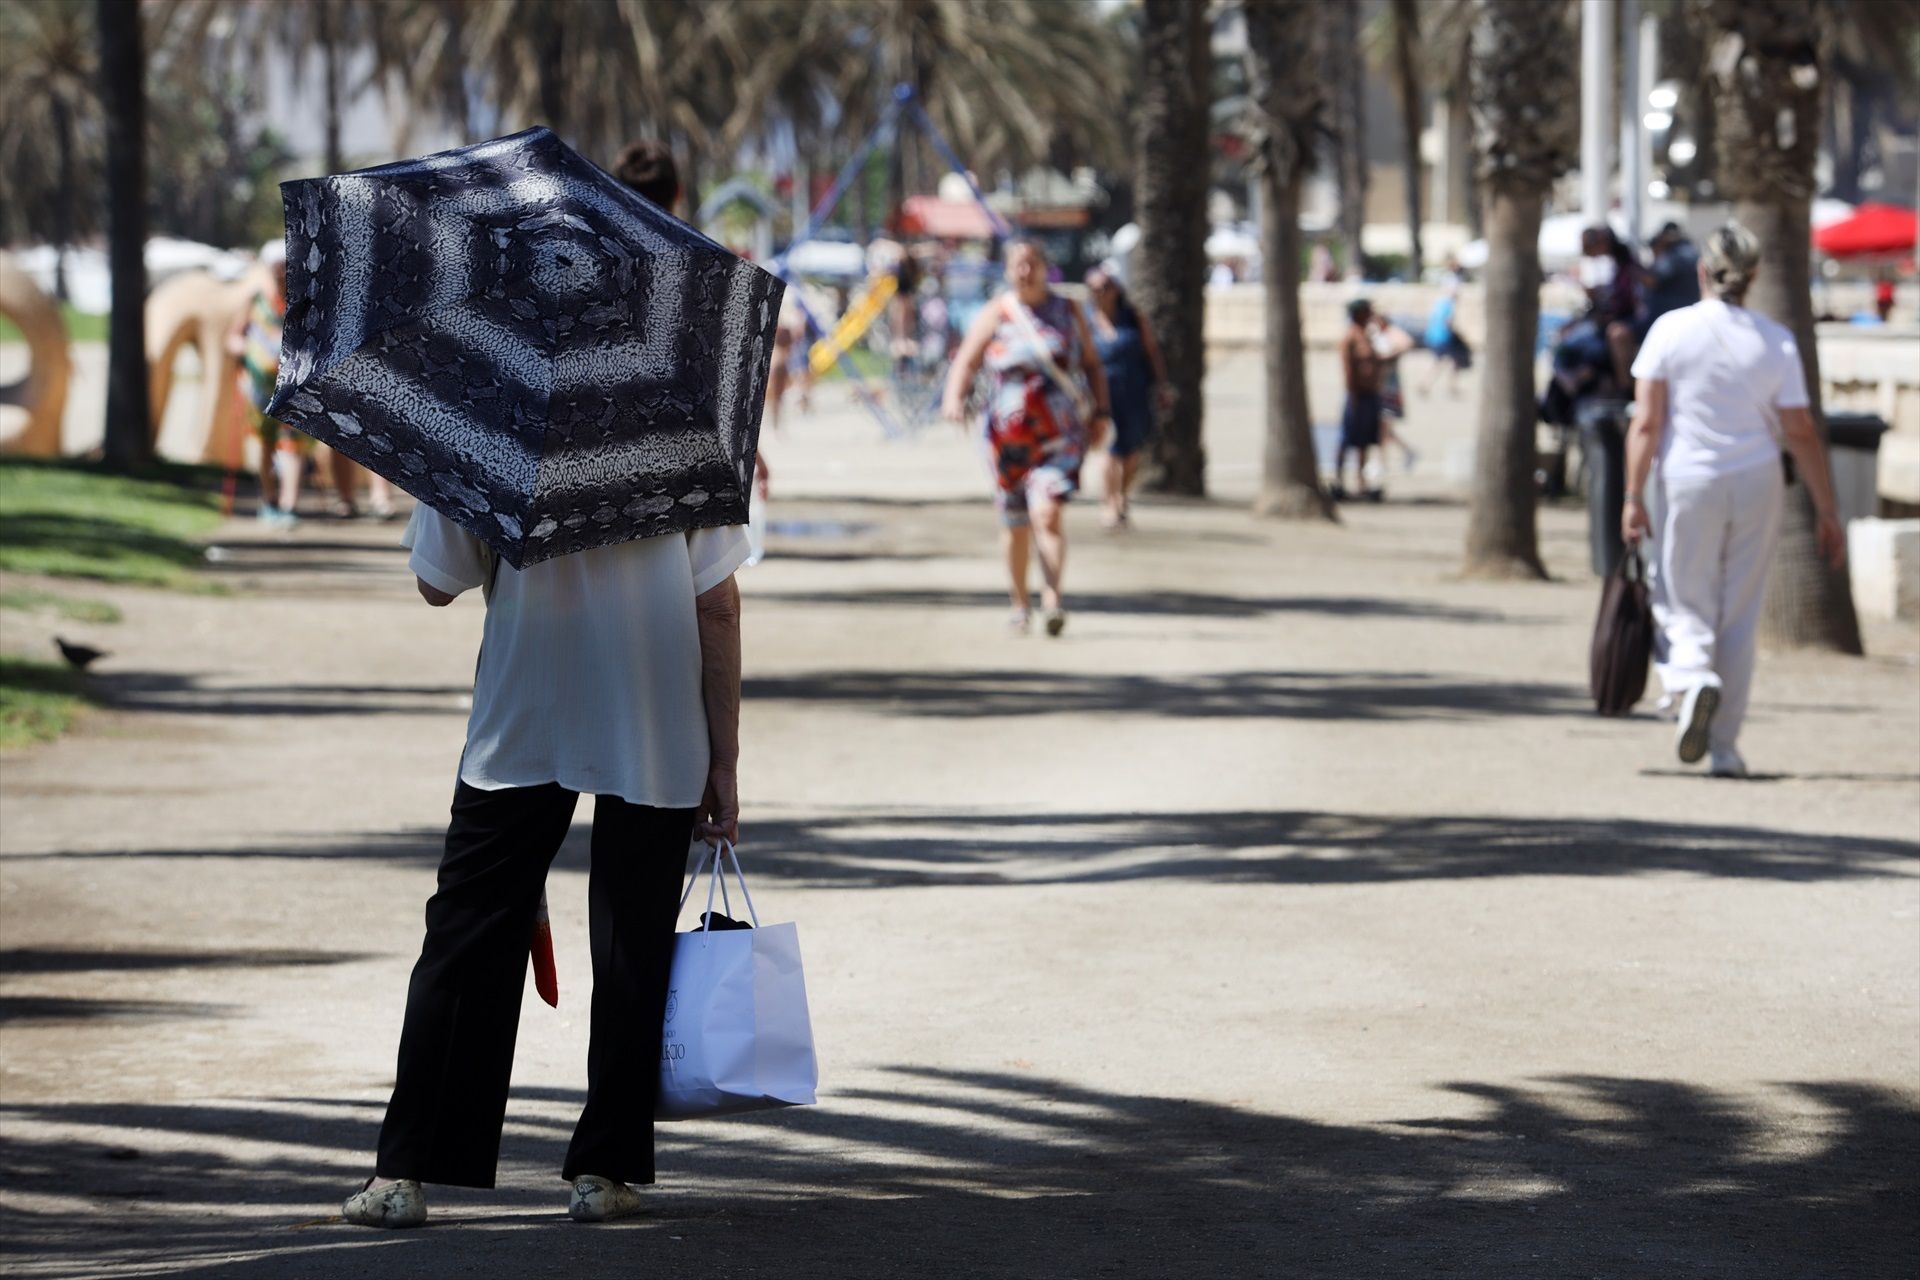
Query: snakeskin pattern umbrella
<point x="520" y="341"/>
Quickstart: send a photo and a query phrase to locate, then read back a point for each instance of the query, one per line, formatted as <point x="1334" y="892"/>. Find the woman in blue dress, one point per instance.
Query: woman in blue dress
<point x="1135" y="373"/>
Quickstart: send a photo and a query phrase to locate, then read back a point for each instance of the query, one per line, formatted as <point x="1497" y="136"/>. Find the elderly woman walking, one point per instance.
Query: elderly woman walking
<point x="1714" y="382"/>
<point x="1040" y="422"/>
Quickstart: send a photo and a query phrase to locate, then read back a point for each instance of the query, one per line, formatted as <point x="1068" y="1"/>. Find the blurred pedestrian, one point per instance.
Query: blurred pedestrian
<point x="1039" y="421"/>
<point x="1136" y="382"/>
<point x="254" y="338"/>
<point x="1713" y="379"/>
<point x="1883" y="295"/>
<point x="1390" y="342"/>
<point x="1610" y="274"/>
<point x="1361" y="369"/>
<point x="1673" y="278"/>
<point x="1442" y="337"/>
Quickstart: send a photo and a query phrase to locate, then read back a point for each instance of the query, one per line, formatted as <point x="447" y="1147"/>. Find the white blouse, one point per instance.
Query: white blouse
<point x="589" y="672"/>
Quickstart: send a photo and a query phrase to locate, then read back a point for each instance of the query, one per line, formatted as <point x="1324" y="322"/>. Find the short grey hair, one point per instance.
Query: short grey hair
<point x="1731" y="255"/>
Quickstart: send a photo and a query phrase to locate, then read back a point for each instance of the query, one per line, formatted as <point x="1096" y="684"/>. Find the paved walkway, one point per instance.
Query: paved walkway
<point x="1292" y="915"/>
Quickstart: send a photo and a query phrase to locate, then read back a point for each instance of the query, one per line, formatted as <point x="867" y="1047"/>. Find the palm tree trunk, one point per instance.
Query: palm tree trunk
<point x="123" y="94"/>
<point x="1502" y="541"/>
<point x="330" y="73"/>
<point x="1350" y="132"/>
<point x="1171" y="163"/>
<point x="1284" y="43"/>
<point x="63" y="194"/>
<point x="1808" y="603"/>
<point x="1406" y="33"/>
<point x="1766" y="113"/>
<point x="1290" y="471"/>
<point x="551" y="70"/>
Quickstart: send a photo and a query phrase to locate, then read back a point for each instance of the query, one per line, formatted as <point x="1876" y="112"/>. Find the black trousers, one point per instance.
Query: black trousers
<point x="463" y="1005"/>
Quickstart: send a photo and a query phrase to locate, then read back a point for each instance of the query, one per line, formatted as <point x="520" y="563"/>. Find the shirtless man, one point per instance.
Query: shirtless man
<point x="1361" y="368"/>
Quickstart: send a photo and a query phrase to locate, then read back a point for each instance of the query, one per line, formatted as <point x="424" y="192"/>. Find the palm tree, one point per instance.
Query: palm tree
<point x="1522" y="58"/>
<point x="47" y="57"/>
<point x="1011" y="83"/>
<point x="123" y="94"/>
<point x="1285" y="44"/>
<point x="1393" y="40"/>
<point x="1170" y="198"/>
<point x="1342" y="65"/>
<point x="1764" y="71"/>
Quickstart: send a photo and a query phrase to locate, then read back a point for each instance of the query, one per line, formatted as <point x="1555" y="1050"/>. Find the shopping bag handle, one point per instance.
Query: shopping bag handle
<point x="719" y="852"/>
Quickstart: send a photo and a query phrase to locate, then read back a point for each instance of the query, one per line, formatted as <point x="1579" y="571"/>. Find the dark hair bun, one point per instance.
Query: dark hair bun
<point x="648" y="168"/>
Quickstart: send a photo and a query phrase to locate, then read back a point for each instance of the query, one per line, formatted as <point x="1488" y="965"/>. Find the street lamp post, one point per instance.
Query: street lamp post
<point x="1597" y="127"/>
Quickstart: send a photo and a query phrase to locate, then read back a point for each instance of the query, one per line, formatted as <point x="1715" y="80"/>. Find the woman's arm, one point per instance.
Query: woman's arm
<point x="966" y="361"/>
<point x="1643" y="445"/>
<point x="1810" y="456"/>
<point x="718" y="611"/>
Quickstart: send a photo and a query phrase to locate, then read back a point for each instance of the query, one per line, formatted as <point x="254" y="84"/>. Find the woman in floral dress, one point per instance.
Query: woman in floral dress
<point x="1040" y="423"/>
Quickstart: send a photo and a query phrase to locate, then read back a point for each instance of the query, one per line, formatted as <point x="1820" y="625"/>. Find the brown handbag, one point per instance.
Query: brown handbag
<point x="1622" y="638"/>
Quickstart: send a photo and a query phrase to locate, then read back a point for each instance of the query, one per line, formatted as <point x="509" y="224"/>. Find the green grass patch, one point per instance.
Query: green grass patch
<point x="72" y="608"/>
<point x="81" y="327"/>
<point x="72" y="520"/>
<point x="38" y="701"/>
<point x="869" y="363"/>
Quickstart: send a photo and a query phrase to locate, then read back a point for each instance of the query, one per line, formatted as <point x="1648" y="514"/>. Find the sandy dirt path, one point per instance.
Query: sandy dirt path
<point x="1291" y="916"/>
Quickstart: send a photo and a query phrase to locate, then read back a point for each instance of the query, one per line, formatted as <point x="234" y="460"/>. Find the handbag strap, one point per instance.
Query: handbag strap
<point x="716" y="878"/>
<point x="1024" y="317"/>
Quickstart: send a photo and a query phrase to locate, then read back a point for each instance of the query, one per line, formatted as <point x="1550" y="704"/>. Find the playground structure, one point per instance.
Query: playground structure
<point x="43" y="392"/>
<point x="890" y="291"/>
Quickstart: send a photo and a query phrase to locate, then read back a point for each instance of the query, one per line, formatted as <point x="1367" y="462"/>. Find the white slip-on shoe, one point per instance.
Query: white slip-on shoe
<point x="1696" y="719"/>
<point x="399" y="1203"/>
<point x="1726" y="763"/>
<point x="597" y="1199"/>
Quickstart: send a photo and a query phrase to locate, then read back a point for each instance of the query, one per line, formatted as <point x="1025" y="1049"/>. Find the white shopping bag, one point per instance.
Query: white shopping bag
<point x="737" y="1036"/>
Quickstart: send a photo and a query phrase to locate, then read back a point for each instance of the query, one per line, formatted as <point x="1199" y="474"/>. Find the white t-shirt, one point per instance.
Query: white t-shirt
<point x="589" y="671"/>
<point x="1728" y="373"/>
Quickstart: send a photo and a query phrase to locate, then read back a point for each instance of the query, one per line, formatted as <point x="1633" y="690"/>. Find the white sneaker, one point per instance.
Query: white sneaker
<point x="1696" y="719"/>
<point x="598" y="1199"/>
<point x="399" y="1203"/>
<point x="1727" y="763"/>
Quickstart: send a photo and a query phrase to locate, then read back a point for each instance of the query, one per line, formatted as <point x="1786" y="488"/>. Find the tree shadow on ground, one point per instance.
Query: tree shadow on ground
<point x="181" y="694"/>
<point x="1288" y="848"/>
<point x="16" y="960"/>
<point x="879" y="849"/>
<point x="1154" y="604"/>
<point x="926" y="1172"/>
<point x="1305" y="695"/>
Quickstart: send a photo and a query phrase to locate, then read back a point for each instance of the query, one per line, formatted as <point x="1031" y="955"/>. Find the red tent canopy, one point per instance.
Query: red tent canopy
<point x="1873" y="229"/>
<point x="944" y="219"/>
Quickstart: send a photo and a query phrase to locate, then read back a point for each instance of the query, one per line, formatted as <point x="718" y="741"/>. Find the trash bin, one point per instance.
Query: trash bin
<point x="1853" y="450"/>
<point x="1603" y="446"/>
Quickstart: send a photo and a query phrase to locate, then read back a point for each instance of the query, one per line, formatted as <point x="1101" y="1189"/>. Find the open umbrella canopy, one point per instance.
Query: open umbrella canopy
<point x="1874" y="229"/>
<point x="523" y="343"/>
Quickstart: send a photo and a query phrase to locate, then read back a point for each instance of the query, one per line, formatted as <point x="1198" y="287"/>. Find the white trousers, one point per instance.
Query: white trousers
<point x="1713" y="544"/>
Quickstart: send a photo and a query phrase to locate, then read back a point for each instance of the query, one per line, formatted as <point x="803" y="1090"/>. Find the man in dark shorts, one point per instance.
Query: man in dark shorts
<point x="1360" y="368"/>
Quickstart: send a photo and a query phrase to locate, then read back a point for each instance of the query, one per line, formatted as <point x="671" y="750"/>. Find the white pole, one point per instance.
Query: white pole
<point x="1633" y="105"/>
<point x="1597" y="127"/>
<point x="1440" y="207"/>
<point x="1649" y="77"/>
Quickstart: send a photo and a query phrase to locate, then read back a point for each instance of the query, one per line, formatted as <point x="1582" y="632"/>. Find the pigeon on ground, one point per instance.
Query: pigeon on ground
<point x="78" y="656"/>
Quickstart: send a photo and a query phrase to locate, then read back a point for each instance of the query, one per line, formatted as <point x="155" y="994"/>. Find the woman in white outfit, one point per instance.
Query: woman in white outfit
<point x="1714" y="383"/>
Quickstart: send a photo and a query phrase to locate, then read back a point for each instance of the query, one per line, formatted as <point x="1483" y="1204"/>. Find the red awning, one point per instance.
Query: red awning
<point x="944" y="219"/>
<point x="1874" y="229"/>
